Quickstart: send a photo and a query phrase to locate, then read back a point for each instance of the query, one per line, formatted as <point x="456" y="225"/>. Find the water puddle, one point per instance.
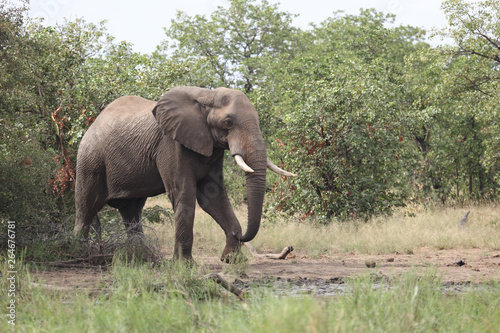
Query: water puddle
<point x="335" y="286"/>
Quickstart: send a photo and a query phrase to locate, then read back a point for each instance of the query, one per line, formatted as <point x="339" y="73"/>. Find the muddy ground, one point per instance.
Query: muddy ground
<point x="321" y="276"/>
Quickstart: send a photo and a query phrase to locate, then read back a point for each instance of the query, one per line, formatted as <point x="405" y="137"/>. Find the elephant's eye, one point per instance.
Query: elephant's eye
<point x="228" y="123"/>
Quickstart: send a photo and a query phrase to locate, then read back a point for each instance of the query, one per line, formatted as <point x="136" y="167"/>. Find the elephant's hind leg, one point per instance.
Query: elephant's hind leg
<point x="131" y="210"/>
<point x="85" y="216"/>
<point x="90" y="195"/>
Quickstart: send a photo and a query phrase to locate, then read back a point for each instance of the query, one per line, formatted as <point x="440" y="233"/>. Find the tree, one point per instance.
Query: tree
<point x="234" y="46"/>
<point x="368" y="35"/>
<point x="337" y="109"/>
<point x="25" y="168"/>
<point x="473" y="83"/>
<point x="13" y="72"/>
<point x="344" y="137"/>
<point x="55" y="81"/>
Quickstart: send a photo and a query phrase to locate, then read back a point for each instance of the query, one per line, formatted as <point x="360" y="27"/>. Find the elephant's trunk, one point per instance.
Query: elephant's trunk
<point x="255" y="183"/>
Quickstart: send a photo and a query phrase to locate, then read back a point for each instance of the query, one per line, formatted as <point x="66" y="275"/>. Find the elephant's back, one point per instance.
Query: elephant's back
<point x="127" y="122"/>
<point x="127" y="107"/>
<point x="123" y="114"/>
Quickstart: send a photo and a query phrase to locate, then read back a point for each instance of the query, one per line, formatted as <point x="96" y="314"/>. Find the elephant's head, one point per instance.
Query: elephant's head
<point x="201" y="119"/>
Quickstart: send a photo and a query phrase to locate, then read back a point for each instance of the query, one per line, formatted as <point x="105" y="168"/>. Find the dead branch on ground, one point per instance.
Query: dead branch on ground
<point x="282" y="256"/>
<point x="227" y="285"/>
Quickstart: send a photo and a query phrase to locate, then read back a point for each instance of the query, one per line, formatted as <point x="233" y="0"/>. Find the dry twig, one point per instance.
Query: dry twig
<point x="282" y="256"/>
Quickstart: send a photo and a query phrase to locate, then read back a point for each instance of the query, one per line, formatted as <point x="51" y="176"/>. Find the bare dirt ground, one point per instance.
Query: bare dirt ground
<point x="455" y="266"/>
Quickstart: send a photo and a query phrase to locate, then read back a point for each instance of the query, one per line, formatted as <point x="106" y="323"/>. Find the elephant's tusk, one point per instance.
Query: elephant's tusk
<point x="271" y="166"/>
<point x="241" y="163"/>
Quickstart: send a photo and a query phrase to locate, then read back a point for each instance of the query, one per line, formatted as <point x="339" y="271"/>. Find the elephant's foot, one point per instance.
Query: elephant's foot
<point x="134" y="230"/>
<point x="185" y="260"/>
<point x="233" y="255"/>
<point x="81" y="232"/>
<point x="183" y="254"/>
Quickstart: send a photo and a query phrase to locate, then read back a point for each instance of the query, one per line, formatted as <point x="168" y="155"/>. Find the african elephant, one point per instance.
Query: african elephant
<point x="138" y="148"/>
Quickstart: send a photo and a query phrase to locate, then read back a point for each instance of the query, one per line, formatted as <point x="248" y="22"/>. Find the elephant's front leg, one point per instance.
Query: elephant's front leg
<point x="184" y="208"/>
<point x="212" y="198"/>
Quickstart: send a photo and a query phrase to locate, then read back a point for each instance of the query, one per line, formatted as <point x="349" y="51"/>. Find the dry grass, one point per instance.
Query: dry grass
<point x="431" y="228"/>
<point x="399" y="233"/>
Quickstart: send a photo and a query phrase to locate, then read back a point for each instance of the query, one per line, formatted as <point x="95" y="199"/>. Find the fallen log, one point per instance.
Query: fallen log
<point x="217" y="279"/>
<point x="227" y="285"/>
<point x="282" y="256"/>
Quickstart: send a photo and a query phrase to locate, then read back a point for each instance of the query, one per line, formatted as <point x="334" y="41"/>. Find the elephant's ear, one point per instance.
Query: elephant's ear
<point x="181" y="117"/>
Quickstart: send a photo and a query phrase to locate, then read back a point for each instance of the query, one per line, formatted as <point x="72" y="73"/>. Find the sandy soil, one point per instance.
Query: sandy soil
<point x="470" y="265"/>
<point x="455" y="266"/>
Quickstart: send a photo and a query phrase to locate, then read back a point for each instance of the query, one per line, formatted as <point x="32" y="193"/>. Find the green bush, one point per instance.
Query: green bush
<point x="345" y="139"/>
<point x="25" y="193"/>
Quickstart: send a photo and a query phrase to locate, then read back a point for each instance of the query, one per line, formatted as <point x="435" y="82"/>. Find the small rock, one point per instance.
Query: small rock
<point x="390" y="259"/>
<point x="460" y="263"/>
<point x="461" y="223"/>
<point x="370" y="263"/>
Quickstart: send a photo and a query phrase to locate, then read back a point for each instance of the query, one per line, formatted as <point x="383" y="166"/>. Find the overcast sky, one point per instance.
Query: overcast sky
<point x="142" y="22"/>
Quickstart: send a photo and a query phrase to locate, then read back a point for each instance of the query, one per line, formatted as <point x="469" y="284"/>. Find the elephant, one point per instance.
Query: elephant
<point x="137" y="148"/>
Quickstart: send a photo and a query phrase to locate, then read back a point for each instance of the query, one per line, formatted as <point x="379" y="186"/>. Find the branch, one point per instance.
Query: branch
<point x="74" y="262"/>
<point x="224" y="283"/>
<point x="482" y="34"/>
<point x="495" y="58"/>
<point x="475" y="85"/>
<point x="282" y="256"/>
<point x="217" y="279"/>
<point x="491" y="41"/>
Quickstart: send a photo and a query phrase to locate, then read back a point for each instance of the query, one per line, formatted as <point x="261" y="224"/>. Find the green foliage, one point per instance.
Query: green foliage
<point x="370" y="116"/>
<point x="344" y="136"/>
<point x="336" y="115"/>
<point x="368" y="36"/>
<point x="473" y="82"/>
<point x="450" y="91"/>
<point x="234" y="46"/>
<point x="158" y="214"/>
<point x="448" y="131"/>
<point x="55" y="81"/>
<point x="24" y="174"/>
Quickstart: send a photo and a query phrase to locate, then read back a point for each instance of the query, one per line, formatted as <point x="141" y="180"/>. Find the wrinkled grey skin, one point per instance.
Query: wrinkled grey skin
<point x="138" y="148"/>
